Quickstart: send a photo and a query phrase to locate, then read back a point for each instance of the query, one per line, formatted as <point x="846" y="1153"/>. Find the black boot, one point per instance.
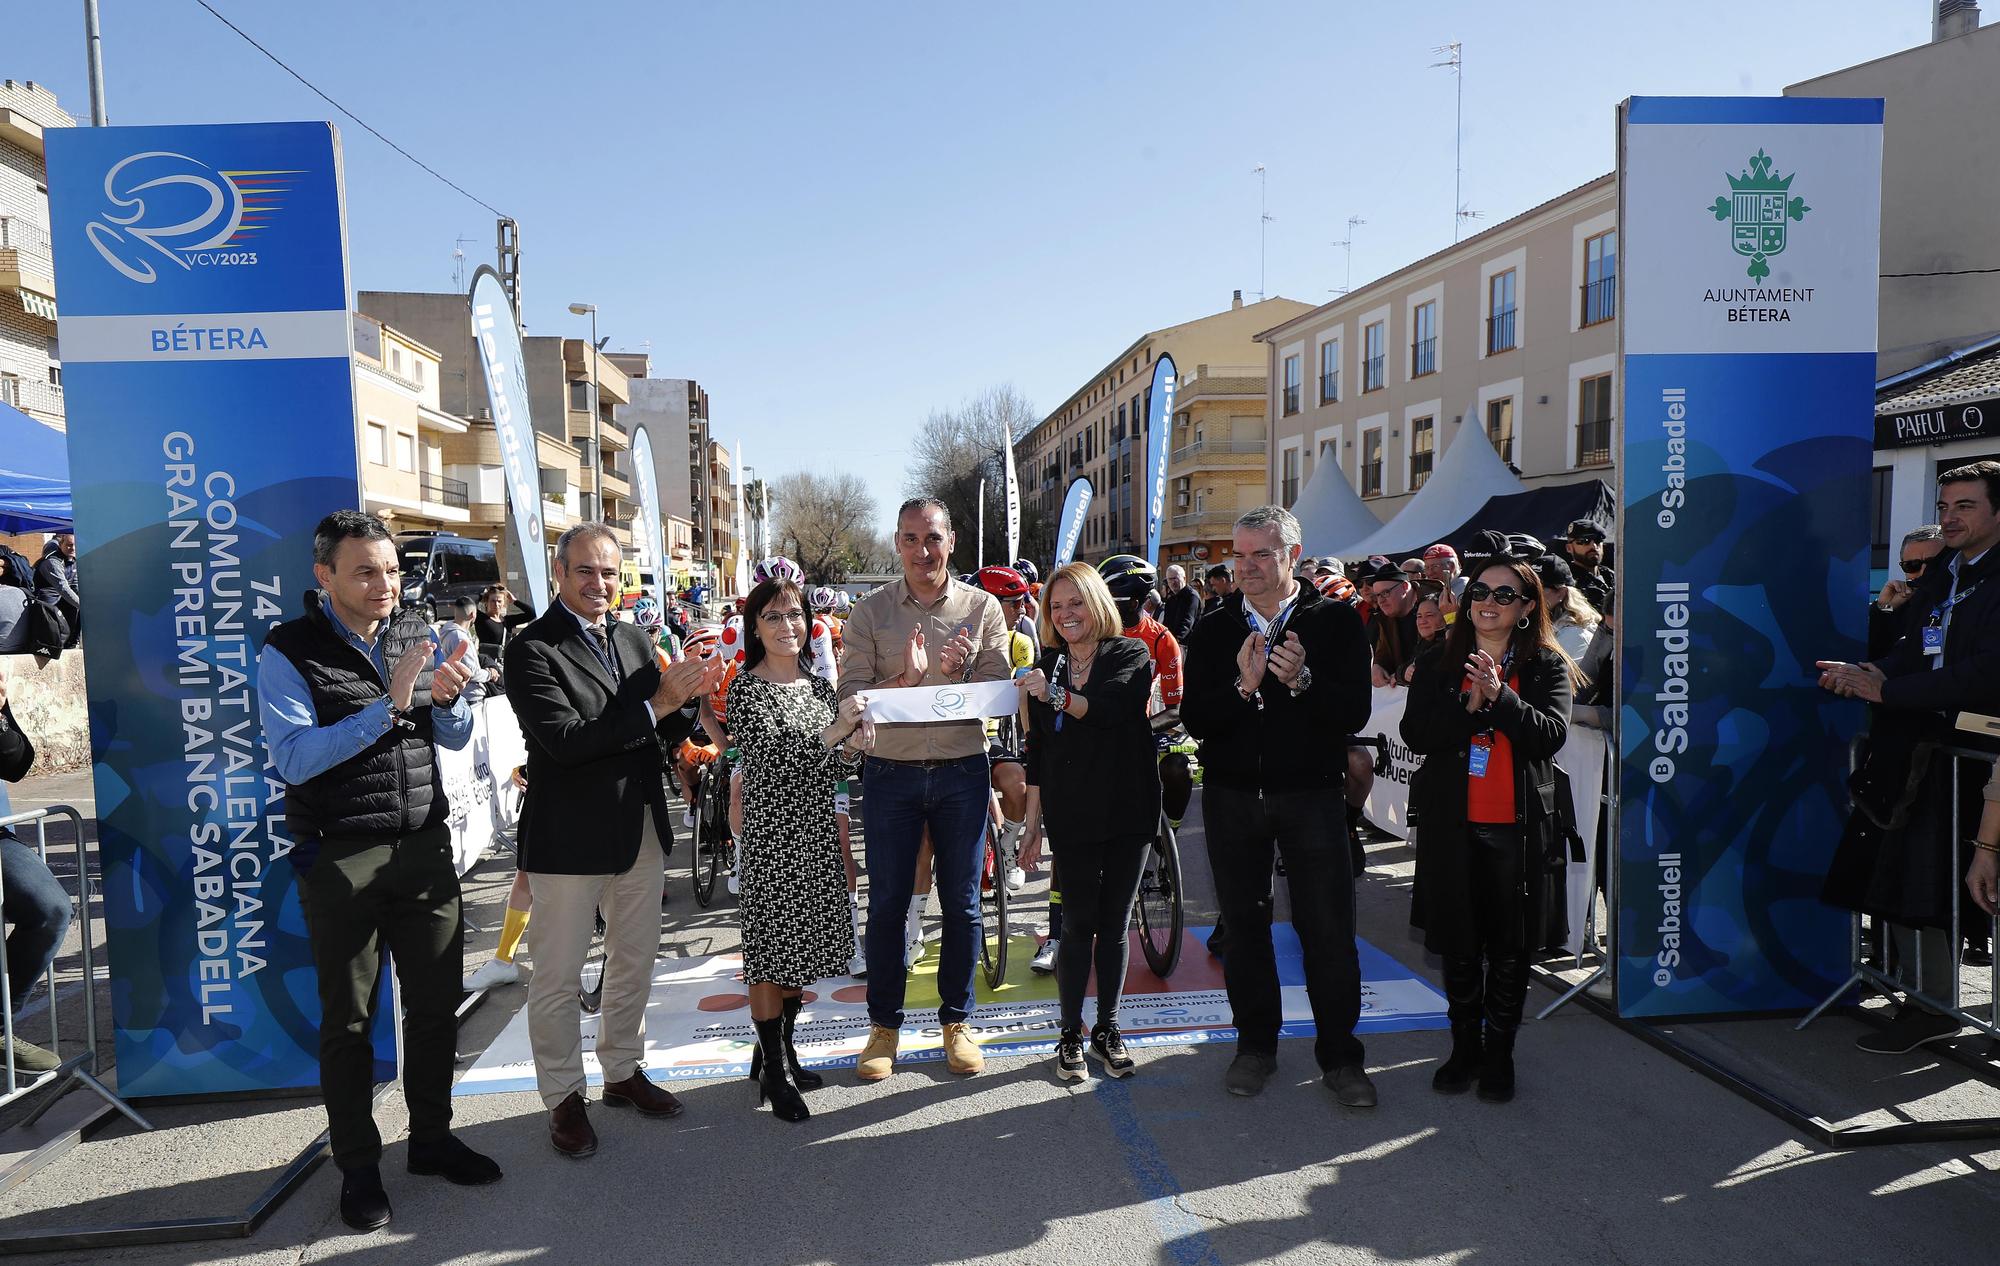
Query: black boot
<point x="363" y="1204"/>
<point x="1506" y="994"/>
<point x="1463" y="999"/>
<point x="805" y="1078"/>
<point x="774" y="1082"/>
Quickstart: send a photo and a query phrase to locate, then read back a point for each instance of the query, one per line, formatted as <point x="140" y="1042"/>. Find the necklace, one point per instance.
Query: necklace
<point x="1079" y="665"/>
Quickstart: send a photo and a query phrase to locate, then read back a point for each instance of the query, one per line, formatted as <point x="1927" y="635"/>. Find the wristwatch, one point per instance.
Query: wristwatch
<point x="1304" y="681"/>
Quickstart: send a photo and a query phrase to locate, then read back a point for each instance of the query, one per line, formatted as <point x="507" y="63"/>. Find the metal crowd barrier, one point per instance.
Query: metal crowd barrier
<point x="1918" y="989"/>
<point x="81" y="1068"/>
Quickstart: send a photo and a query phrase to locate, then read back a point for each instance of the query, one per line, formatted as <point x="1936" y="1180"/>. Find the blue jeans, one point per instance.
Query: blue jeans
<point x="899" y="801"/>
<point x="39" y="910"/>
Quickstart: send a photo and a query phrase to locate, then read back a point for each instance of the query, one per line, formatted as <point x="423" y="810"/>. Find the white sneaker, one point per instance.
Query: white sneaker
<point x="1045" y="958"/>
<point x="857" y="967"/>
<point x="736" y="873"/>
<point x="687" y="819"/>
<point x="494" y="973"/>
<point x="1016" y="878"/>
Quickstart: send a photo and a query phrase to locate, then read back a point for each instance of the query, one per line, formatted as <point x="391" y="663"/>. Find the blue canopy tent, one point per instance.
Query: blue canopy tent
<point x="34" y="475"/>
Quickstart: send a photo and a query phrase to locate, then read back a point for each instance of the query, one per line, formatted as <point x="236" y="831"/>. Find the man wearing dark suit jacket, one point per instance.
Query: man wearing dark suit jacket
<point x="596" y="709"/>
<point x="1946" y="661"/>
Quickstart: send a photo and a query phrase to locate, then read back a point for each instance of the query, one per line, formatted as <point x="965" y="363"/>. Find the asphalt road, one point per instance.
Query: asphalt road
<point x="1612" y="1153"/>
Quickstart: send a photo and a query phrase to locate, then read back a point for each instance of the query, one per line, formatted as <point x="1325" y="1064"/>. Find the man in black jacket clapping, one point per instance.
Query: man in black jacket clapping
<point x="1277" y="677"/>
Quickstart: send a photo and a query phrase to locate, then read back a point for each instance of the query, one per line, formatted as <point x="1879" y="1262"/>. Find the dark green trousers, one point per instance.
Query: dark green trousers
<point x="361" y="896"/>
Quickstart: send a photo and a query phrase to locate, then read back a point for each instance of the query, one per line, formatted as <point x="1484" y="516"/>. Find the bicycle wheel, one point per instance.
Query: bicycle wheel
<point x="996" y="903"/>
<point x="711" y="834"/>
<point x="1160" y="911"/>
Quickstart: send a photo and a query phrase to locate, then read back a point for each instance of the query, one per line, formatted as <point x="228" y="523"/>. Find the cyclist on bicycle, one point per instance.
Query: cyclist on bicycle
<point x="1032" y="607"/>
<point x="825" y="647"/>
<point x="1131" y="580"/>
<point x="702" y="747"/>
<point x="652" y="622"/>
<point x="1009" y="802"/>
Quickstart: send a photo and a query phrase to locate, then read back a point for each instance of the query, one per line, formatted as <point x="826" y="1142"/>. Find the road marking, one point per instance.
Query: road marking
<point x="1185" y="1236"/>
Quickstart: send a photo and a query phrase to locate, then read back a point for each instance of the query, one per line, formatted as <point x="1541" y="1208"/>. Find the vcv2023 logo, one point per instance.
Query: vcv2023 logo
<point x="168" y="206"/>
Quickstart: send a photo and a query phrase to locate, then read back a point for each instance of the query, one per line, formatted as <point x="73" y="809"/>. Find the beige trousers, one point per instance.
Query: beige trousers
<point x="565" y="915"/>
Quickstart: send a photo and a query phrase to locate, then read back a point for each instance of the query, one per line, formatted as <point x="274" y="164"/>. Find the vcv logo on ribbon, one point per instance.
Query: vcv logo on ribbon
<point x="1759" y="210"/>
<point x="165" y="205"/>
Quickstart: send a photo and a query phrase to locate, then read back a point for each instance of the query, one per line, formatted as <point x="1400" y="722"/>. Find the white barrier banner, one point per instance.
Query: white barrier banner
<point x="966" y="702"/>
<point x="1388" y="805"/>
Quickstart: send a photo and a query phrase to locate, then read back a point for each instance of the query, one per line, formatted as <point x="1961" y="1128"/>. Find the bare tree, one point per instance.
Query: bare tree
<point x="955" y="449"/>
<point x="825" y="523"/>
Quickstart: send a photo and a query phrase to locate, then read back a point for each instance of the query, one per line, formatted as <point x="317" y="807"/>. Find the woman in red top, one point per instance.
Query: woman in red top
<point x="1488" y="708"/>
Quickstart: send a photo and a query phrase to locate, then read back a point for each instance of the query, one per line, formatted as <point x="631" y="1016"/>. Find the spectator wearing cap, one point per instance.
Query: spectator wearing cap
<point x="1585" y="547"/>
<point x="1441" y="565"/>
<point x="1393" y="631"/>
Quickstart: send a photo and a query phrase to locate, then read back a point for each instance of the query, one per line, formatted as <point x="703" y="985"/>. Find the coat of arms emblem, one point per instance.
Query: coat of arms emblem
<point x="1759" y="210"/>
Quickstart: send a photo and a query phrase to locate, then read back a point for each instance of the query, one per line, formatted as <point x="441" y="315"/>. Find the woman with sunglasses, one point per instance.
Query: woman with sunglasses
<point x="1888" y="615"/>
<point x="1488" y="708"/>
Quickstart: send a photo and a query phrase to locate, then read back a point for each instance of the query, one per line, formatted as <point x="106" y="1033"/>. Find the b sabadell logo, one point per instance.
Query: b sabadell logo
<point x="1759" y="209"/>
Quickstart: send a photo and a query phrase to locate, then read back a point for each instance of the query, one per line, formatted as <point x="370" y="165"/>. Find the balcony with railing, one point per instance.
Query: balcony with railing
<point x="1228" y="453"/>
<point x="1423" y="357"/>
<point x="1500" y="336"/>
<point x="445" y="491"/>
<point x="1371" y="373"/>
<point x="1329" y="387"/>
<point x="1593" y="442"/>
<point x="1218" y="522"/>
<point x="1291" y="398"/>
<point x="1600" y="300"/>
<point x="27" y="260"/>
<point x="43" y="399"/>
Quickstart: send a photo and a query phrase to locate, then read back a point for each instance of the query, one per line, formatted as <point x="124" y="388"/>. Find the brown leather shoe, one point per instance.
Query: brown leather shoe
<point x="569" y="1128"/>
<point x="637" y="1092"/>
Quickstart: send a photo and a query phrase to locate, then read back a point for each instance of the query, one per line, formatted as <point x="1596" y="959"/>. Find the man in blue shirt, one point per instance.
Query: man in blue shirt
<point x="351" y="734"/>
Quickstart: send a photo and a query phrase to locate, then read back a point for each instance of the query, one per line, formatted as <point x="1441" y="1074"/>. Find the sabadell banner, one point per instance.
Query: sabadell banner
<point x="207" y="356"/>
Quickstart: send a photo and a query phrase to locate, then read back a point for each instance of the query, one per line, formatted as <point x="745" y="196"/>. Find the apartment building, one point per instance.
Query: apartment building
<point x="1938" y="370"/>
<point x="1513" y="331"/>
<point x="400" y="432"/>
<point x="724" y="545"/>
<point x="30" y="359"/>
<point x="1100" y="433"/>
<point x="439" y="322"/>
<point x="674" y="414"/>
<point x="591" y="376"/>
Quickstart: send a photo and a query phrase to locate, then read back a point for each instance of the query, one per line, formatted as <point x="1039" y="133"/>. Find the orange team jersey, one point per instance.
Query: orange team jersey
<point x="1166" y="653"/>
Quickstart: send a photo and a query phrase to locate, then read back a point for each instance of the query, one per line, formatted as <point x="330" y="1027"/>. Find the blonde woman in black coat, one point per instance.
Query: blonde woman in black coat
<point x="1488" y="710"/>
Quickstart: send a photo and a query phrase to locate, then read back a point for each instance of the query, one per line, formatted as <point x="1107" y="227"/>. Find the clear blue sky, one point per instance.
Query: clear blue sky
<point x="838" y="217"/>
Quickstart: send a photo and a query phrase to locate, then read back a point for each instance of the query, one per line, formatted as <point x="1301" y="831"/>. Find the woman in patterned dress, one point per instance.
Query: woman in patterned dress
<point x="794" y="740"/>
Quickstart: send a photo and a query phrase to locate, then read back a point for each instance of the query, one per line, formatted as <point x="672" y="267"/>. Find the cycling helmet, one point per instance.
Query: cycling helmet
<point x="702" y="643"/>
<point x="1129" y="577"/>
<point x="1028" y="571"/>
<point x="777" y="567"/>
<point x="842" y="604"/>
<point x="967" y="578"/>
<point x="1002" y="582"/>
<point x="646" y="613"/>
<point x="821" y="598"/>
<point x="1336" y="587"/>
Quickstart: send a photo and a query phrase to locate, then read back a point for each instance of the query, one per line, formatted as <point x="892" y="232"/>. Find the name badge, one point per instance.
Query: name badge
<point x="1481" y="753"/>
<point x="1933" y="639"/>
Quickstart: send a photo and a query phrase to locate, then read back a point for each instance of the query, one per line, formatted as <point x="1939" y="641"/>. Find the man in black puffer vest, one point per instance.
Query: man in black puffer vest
<point x="367" y="815"/>
<point x="1277" y="678"/>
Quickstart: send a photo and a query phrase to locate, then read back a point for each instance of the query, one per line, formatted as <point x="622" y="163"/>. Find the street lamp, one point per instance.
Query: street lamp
<point x="596" y="440"/>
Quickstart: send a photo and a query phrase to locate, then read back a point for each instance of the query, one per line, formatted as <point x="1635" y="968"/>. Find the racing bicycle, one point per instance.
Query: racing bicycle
<point x="712" y="850"/>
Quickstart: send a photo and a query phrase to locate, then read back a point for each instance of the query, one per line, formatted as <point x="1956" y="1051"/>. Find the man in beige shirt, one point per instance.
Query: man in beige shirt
<point x="924" y="629"/>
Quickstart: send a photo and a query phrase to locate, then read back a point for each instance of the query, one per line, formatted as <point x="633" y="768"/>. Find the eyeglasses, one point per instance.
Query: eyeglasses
<point x="783" y="617"/>
<point x="1479" y="591"/>
<point x="1911" y="566"/>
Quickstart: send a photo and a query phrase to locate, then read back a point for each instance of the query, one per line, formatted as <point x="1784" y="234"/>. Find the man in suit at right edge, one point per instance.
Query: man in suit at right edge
<point x="598" y="713"/>
<point x="1894" y="859"/>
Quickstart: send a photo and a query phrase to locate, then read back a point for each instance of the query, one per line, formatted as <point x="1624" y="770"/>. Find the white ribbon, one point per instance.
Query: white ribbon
<point x="967" y="702"/>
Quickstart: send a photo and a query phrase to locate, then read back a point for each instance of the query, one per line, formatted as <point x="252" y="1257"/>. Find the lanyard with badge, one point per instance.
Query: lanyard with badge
<point x="1933" y="633"/>
<point x="1482" y="743"/>
<point x="1273" y="632"/>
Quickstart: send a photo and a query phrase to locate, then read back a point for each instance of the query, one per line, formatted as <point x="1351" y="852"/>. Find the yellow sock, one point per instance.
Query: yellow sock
<point x="512" y="929"/>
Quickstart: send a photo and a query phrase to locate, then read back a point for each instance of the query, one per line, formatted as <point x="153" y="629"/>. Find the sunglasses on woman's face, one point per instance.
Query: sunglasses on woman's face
<point x="1479" y="591"/>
